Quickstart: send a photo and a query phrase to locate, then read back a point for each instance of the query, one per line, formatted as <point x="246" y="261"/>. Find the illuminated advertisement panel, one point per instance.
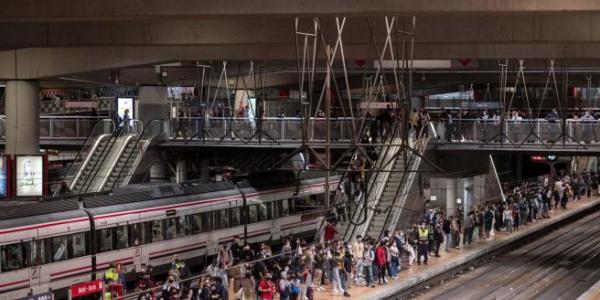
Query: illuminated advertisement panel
<point x="30" y="176"/>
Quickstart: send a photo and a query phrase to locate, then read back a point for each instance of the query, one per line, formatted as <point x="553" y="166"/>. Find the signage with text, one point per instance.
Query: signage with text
<point x="87" y="288"/>
<point x="44" y="296"/>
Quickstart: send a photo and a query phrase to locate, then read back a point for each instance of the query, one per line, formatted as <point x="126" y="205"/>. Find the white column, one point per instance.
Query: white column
<point x="450" y="196"/>
<point x="22" y="117"/>
<point x="180" y="171"/>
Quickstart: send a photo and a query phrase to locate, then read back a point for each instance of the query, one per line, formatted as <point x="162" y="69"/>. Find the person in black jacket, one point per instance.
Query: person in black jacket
<point x="447" y="228"/>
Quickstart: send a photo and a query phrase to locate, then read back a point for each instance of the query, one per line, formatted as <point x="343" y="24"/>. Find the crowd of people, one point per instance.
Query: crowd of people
<point x="301" y="270"/>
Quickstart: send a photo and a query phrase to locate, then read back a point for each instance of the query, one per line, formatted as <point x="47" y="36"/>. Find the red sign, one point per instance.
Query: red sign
<point x="537" y="158"/>
<point x="87" y="288"/>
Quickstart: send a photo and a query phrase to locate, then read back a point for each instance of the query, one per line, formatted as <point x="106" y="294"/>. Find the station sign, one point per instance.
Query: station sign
<point x="44" y="296"/>
<point x="86" y="288"/>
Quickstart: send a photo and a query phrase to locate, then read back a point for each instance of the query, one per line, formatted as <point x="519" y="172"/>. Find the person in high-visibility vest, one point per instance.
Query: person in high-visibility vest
<point x="423" y="243"/>
<point x="111" y="275"/>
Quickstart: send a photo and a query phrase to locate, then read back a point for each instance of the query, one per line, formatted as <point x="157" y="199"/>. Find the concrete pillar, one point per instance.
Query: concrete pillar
<point x="467" y="197"/>
<point x="450" y="196"/>
<point x="152" y="103"/>
<point x="180" y="171"/>
<point x="22" y="117"/>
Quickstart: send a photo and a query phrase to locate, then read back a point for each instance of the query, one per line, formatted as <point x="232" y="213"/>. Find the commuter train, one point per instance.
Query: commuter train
<point x="55" y="244"/>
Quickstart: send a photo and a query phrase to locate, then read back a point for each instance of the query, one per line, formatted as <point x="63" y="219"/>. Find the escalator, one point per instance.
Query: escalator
<point x="126" y="162"/>
<point x="95" y="156"/>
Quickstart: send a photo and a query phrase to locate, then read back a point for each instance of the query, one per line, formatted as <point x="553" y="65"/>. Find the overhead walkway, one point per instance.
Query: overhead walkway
<point x="528" y="136"/>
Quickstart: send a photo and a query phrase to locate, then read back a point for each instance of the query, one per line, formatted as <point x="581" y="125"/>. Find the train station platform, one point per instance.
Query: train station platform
<point x="411" y="276"/>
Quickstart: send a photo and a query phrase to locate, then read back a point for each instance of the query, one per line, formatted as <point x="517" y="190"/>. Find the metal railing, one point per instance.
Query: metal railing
<point x="77" y="127"/>
<point x="540" y="131"/>
<point x="152" y="130"/>
<point x="271" y="129"/>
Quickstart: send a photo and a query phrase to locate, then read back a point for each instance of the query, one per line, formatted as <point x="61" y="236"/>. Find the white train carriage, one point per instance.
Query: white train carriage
<point x="55" y="244"/>
<point x="43" y="246"/>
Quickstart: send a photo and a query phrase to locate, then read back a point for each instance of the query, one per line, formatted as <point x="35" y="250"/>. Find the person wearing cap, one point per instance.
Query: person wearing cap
<point x="266" y="290"/>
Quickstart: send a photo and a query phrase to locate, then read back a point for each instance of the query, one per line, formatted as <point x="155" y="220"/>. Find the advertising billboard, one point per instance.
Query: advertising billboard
<point x="30" y="175"/>
<point x="124" y="104"/>
<point x="3" y="176"/>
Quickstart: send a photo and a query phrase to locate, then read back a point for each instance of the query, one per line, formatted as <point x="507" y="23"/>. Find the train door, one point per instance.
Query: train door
<point x="276" y="220"/>
<point x="39" y="280"/>
<point x="136" y="235"/>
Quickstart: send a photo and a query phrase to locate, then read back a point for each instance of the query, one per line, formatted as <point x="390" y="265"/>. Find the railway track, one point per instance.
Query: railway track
<point x="562" y="264"/>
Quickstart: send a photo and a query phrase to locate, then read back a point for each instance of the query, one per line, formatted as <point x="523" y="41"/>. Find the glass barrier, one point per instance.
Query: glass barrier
<point x="270" y="128"/>
<point x="525" y="131"/>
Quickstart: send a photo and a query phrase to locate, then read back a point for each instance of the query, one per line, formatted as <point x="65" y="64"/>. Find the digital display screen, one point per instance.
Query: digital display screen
<point x="125" y="104"/>
<point x="30" y="175"/>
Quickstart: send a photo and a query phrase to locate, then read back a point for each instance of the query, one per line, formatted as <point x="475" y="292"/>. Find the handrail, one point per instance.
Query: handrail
<point x="92" y="136"/>
<point x="413" y="157"/>
<point x="363" y="205"/>
<point x="98" y="164"/>
<point x="139" y="138"/>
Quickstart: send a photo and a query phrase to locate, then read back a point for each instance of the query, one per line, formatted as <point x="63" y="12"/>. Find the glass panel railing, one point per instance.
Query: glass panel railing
<point x="530" y="131"/>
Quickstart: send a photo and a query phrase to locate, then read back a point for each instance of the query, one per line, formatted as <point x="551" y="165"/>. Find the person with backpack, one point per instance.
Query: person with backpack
<point x="367" y="262"/>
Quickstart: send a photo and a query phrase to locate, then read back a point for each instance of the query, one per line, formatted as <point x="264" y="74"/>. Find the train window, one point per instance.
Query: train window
<point x="121" y="237"/>
<point x="234" y="214"/>
<point x="105" y="240"/>
<point x="58" y="248"/>
<point x="12" y="257"/>
<point x="252" y="214"/>
<point x="170" y="226"/>
<point x="78" y="245"/>
<point x="269" y="210"/>
<point x="38" y="256"/>
<point x="156" y="230"/>
<point x="207" y="221"/>
<point x="284" y="208"/>
<point x="262" y="212"/>
<point x="221" y="219"/>
<point x="185" y="228"/>
<point x="194" y="223"/>
<point x="135" y="234"/>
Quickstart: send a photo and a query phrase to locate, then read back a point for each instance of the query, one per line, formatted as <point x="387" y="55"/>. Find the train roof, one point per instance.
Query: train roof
<point x="142" y="195"/>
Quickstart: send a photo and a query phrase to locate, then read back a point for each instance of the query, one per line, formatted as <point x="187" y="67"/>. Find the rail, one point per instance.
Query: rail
<point x="375" y="184"/>
<point x="406" y="182"/>
<point x="150" y="131"/>
<point x="270" y="129"/>
<point x="133" y="127"/>
<point x="60" y="127"/>
<point x="531" y="131"/>
<point x="105" y="126"/>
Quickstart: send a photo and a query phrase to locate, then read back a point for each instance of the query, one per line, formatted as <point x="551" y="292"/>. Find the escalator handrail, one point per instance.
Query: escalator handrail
<point x="114" y="137"/>
<point x="92" y="136"/>
<point x="418" y="144"/>
<point x="136" y="143"/>
<point x="367" y="194"/>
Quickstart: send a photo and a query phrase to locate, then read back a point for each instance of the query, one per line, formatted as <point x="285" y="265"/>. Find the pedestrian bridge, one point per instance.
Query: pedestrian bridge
<point x="529" y="136"/>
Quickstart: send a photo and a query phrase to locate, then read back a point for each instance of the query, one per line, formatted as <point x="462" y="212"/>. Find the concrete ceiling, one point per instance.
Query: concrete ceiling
<point x="90" y="40"/>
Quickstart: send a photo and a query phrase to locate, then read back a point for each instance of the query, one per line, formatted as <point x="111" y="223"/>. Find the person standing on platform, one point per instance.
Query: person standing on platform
<point x="357" y="250"/>
<point x="266" y="290"/>
<point x="381" y="260"/>
<point x="438" y="236"/>
<point x="447" y="228"/>
<point x="487" y="219"/>
<point x="423" y="246"/>
<point x="367" y="262"/>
